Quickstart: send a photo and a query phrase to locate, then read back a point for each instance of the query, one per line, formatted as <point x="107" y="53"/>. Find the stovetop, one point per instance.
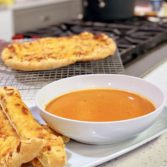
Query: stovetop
<point x="133" y="37"/>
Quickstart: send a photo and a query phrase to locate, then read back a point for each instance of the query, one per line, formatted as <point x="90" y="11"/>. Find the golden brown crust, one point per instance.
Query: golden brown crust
<point x="35" y="162"/>
<point x="65" y="139"/>
<point x="29" y="149"/>
<point x="9" y="141"/>
<point x="15" y="151"/>
<point x="50" y="53"/>
<point x="53" y="151"/>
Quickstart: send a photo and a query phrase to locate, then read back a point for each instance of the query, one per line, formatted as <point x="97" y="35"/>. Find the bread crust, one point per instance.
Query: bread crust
<point x="35" y="65"/>
<point x="51" y="53"/>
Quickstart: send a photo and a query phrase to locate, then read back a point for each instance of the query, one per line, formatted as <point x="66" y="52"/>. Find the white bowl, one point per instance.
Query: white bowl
<point x="100" y="132"/>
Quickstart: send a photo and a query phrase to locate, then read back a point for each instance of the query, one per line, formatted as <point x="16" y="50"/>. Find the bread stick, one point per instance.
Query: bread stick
<point x="53" y="153"/>
<point x="14" y="151"/>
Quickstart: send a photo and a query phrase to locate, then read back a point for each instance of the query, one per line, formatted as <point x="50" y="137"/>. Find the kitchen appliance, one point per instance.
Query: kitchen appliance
<point x="107" y="10"/>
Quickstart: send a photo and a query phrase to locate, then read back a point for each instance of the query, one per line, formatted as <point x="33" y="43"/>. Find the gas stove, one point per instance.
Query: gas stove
<point x="134" y="37"/>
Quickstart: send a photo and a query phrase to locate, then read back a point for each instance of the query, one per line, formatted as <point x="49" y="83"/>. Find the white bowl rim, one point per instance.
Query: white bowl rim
<point x="100" y="122"/>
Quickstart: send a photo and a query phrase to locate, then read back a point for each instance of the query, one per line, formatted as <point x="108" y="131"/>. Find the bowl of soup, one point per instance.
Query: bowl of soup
<point x="100" y="108"/>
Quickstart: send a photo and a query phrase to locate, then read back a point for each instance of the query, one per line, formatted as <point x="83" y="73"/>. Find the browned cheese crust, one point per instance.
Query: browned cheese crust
<point x="15" y="151"/>
<point x="51" y="53"/>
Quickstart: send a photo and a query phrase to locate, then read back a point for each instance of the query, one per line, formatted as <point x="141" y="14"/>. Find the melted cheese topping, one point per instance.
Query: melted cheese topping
<point x="59" y="48"/>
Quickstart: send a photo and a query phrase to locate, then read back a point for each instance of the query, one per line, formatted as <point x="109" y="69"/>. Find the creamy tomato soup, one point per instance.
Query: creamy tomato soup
<point x="100" y="105"/>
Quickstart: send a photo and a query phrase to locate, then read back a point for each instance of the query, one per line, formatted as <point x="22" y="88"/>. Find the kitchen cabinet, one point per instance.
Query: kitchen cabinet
<point x="31" y="15"/>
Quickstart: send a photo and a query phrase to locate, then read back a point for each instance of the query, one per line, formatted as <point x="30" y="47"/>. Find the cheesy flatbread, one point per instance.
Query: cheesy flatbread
<point x="55" y="52"/>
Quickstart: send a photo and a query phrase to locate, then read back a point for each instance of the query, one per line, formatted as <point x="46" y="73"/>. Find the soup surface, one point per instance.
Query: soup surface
<point x="100" y="105"/>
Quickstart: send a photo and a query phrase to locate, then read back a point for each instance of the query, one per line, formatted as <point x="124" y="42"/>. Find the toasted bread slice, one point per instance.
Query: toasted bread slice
<point x="14" y="151"/>
<point x="35" y="162"/>
<point x="55" y="52"/>
<point x="53" y="153"/>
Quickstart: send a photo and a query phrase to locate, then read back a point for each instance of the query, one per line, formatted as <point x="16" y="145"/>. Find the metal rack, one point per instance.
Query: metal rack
<point x="30" y="82"/>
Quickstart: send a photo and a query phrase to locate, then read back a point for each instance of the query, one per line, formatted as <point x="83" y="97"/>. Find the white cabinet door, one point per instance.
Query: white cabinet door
<point x="6" y="24"/>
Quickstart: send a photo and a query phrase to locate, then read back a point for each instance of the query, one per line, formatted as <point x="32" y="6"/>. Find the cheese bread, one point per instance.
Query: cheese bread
<point x="13" y="150"/>
<point x="55" y="52"/>
<point x="53" y="153"/>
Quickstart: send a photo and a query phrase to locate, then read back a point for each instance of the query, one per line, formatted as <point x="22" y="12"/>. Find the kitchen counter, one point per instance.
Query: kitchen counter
<point x="154" y="153"/>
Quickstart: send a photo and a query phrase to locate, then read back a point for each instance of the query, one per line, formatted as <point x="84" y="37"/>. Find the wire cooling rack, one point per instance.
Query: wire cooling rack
<point x="30" y="82"/>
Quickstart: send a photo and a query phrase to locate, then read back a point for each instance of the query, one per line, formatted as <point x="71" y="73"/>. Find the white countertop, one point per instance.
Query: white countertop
<point x="159" y="76"/>
<point x="153" y="154"/>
